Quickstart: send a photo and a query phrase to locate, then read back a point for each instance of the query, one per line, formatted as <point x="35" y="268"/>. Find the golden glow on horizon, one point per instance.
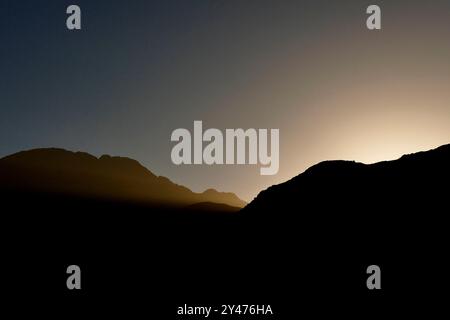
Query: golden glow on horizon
<point x="366" y="123"/>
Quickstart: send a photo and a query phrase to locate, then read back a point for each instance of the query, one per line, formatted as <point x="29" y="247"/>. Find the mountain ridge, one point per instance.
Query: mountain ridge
<point x="421" y="169"/>
<point x="56" y="170"/>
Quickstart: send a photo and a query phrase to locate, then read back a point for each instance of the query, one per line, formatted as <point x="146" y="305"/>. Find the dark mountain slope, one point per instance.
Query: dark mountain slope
<point x="58" y="171"/>
<point x="338" y="217"/>
<point x="414" y="181"/>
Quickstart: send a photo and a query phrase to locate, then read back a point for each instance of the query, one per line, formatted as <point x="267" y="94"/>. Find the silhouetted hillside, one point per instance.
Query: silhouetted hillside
<point x="58" y="171"/>
<point x="338" y="217"/>
<point x="407" y="190"/>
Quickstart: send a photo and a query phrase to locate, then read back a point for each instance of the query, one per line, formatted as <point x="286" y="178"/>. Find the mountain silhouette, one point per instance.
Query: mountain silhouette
<point x="338" y="217"/>
<point x="411" y="190"/>
<point x="314" y="235"/>
<point x="61" y="172"/>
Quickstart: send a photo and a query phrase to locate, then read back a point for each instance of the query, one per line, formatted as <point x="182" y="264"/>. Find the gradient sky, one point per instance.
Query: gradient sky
<point x="140" y="69"/>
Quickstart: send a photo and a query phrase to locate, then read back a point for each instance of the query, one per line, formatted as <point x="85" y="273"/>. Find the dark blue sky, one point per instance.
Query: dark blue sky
<point x="140" y="69"/>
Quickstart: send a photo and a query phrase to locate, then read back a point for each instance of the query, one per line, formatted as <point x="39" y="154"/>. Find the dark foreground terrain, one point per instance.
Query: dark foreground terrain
<point x="303" y="247"/>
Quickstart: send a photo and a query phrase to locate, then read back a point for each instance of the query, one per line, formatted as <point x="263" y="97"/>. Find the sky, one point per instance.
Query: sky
<point x="137" y="70"/>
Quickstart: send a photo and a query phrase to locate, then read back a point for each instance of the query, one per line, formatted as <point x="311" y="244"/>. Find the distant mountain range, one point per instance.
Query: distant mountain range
<point x="411" y="182"/>
<point x="57" y="171"/>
